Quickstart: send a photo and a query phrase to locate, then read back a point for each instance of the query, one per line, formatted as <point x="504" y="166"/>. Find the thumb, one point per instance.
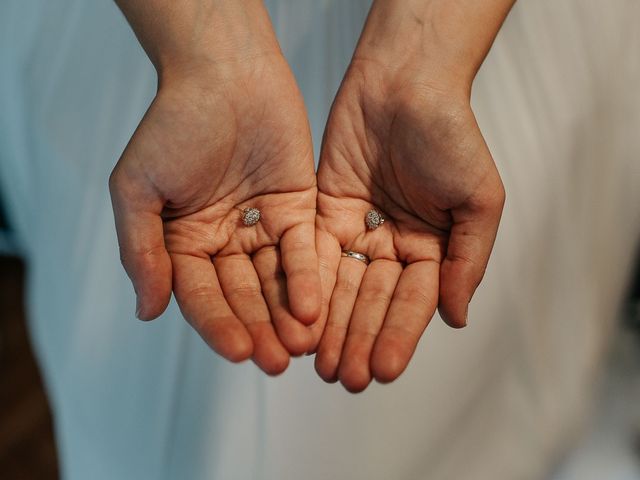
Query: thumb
<point x="139" y="226"/>
<point x="470" y="243"/>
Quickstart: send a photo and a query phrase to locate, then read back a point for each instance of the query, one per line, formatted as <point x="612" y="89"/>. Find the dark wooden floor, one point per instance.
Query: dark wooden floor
<point x="27" y="449"/>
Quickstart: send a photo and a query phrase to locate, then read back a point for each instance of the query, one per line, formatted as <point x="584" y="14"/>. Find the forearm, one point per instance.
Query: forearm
<point x="443" y="41"/>
<point x="190" y="34"/>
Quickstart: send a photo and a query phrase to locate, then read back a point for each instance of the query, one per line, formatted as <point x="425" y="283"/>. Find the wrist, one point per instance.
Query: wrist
<point x="440" y="43"/>
<point x="200" y="35"/>
<point x="227" y="40"/>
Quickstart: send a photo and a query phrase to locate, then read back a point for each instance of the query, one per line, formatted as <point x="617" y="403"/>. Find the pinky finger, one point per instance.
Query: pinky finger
<point x="202" y="303"/>
<point x="412" y="307"/>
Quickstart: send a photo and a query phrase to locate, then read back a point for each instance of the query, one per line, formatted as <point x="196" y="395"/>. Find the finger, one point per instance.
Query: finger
<point x="371" y="306"/>
<point x="300" y="264"/>
<point x="294" y="335"/>
<point x="328" y="261"/>
<point x="142" y="250"/>
<point x="470" y="242"/>
<point x="412" y="306"/>
<point x="343" y="299"/>
<point x="202" y="303"/>
<point x="241" y="288"/>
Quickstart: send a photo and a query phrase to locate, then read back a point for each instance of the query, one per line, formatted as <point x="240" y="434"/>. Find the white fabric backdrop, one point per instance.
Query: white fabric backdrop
<point x="559" y="103"/>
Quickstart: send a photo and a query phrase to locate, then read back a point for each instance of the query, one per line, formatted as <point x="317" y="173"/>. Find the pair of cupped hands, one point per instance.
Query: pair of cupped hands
<point x="234" y="134"/>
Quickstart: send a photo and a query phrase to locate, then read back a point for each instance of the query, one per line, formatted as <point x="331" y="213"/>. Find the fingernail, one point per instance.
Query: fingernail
<point x="466" y="315"/>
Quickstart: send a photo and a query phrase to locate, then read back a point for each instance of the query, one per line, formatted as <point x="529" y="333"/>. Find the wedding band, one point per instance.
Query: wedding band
<point x="373" y="219"/>
<point x="358" y="256"/>
<point x="250" y="216"/>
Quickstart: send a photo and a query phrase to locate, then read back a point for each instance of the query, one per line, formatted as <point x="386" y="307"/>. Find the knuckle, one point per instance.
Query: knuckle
<point x="196" y="294"/>
<point x="141" y="258"/>
<point x="336" y="326"/>
<point x="497" y="198"/>
<point x="367" y="331"/>
<point x="301" y="271"/>
<point x="246" y="290"/>
<point x="415" y="296"/>
<point x="346" y="285"/>
<point x="464" y="259"/>
<point x="201" y="291"/>
<point x="324" y="263"/>
<point x="406" y="331"/>
<point x="268" y="251"/>
<point x="376" y="296"/>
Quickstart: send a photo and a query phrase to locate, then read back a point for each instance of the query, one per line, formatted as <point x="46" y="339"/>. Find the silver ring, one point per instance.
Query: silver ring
<point x="250" y="216"/>
<point x="358" y="256"/>
<point x="373" y="219"/>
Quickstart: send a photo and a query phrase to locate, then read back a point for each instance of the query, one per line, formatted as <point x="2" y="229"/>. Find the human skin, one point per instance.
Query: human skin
<point x="402" y="139"/>
<point x="226" y="130"/>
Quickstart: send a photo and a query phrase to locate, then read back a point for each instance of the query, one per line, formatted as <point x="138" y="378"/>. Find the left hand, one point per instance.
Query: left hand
<point x="416" y="154"/>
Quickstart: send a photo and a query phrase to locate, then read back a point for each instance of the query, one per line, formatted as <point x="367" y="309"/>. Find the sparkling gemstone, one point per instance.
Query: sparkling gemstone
<point x="373" y="219"/>
<point x="250" y="216"/>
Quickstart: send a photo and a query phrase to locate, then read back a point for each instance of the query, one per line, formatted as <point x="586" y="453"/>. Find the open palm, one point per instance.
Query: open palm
<point x="209" y="146"/>
<point x="417" y="156"/>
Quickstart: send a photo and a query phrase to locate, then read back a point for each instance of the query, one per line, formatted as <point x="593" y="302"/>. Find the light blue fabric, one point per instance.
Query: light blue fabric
<point x="558" y="102"/>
